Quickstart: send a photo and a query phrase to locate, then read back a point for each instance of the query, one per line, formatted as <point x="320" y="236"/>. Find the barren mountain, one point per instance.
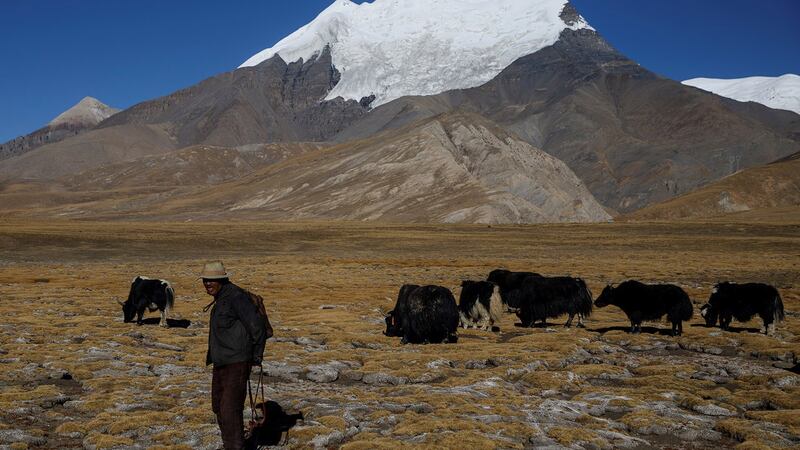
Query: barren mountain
<point x="772" y="186"/>
<point x="453" y="168"/>
<point x="82" y="117"/>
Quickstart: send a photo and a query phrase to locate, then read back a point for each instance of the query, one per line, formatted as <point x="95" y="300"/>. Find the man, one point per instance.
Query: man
<point x="236" y="338"/>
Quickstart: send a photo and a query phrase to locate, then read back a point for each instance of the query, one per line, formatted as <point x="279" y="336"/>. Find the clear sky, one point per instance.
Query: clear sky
<point x="55" y="52"/>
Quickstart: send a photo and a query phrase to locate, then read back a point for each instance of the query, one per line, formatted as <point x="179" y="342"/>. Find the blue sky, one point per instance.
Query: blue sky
<point x="55" y="52"/>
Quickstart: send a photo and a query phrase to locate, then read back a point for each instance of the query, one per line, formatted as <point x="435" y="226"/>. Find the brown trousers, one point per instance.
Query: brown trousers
<point x="228" y="392"/>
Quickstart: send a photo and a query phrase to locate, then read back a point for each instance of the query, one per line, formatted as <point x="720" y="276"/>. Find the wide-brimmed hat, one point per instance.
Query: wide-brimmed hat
<point x="214" y="271"/>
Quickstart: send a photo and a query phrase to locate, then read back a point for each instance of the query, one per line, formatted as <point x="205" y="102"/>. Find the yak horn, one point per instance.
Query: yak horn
<point x="120" y="303"/>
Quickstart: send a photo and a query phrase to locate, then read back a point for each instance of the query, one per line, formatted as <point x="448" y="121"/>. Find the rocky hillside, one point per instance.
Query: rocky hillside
<point x="271" y="102"/>
<point x="772" y="186"/>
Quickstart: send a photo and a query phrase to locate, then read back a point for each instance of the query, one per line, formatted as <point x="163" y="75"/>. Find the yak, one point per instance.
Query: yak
<point x="743" y="301"/>
<point x="509" y="283"/>
<point x="423" y="314"/>
<point x="541" y="298"/>
<point x="642" y="302"/>
<point x="146" y="293"/>
<point x="479" y="304"/>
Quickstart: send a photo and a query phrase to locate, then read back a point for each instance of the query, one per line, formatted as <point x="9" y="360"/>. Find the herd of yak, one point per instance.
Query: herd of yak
<point x="429" y="314"/>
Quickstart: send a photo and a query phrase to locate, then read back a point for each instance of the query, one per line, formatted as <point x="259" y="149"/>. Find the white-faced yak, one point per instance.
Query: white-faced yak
<point x="479" y="304"/>
<point x="148" y="294"/>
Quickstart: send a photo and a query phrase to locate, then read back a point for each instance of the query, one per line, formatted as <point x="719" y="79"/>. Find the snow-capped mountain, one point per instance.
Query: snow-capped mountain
<point x="781" y="92"/>
<point x="395" y="48"/>
<point x="89" y="111"/>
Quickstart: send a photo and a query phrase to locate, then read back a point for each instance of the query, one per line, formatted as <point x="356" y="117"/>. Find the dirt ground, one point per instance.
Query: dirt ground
<point x="73" y="375"/>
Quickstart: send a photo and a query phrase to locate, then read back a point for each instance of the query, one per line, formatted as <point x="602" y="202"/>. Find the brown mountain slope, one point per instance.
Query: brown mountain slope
<point x="774" y="186"/>
<point x="87" y="151"/>
<point x="140" y="184"/>
<point x="452" y="168"/>
<point x="633" y="137"/>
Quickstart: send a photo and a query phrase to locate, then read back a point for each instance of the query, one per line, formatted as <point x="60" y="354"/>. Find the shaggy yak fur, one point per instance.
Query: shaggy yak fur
<point x="510" y="284"/>
<point x="423" y="315"/>
<point x="642" y="302"/>
<point x="542" y="298"/>
<point x="149" y="294"/>
<point x="479" y="304"/>
<point x="743" y="301"/>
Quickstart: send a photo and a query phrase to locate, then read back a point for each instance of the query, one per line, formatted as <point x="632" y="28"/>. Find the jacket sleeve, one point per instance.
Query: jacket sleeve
<point x="253" y="323"/>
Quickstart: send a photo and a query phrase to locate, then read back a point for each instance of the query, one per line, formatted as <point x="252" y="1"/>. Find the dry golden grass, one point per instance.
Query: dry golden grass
<point x="511" y="389"/>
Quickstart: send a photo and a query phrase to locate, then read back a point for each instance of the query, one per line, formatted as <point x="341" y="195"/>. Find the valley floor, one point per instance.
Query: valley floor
<point x="72" y="375"/>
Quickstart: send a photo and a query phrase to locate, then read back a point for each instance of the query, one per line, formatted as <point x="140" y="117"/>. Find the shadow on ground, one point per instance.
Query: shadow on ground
<point x="173" y="323"/>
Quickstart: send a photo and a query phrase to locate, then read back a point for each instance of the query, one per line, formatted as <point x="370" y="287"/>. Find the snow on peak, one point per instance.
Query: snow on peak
<point x="89" y="111"/>
<point x="781" y="92"/>
<point x="394" y="48"/>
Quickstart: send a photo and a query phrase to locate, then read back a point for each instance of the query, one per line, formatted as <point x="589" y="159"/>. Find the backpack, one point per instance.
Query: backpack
<point x="258" y="302"/>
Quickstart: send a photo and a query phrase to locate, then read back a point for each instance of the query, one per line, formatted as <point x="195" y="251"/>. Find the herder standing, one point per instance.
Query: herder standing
<point x="236" y="338"/>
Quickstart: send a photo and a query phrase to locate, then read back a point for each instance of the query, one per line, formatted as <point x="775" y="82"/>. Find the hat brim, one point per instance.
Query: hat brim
<point x="214" y="277"/>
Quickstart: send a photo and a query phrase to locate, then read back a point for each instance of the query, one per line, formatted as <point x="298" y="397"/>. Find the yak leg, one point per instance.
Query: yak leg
<point x="580" y="321"/>
<point x="569" y="321"/>
<point x="769" y="328"/>
<point x="163" y="322"/>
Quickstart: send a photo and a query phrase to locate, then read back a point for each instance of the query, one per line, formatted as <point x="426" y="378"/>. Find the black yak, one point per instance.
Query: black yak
<point x="148" y="294"/>
<point x="479" y="304"/>
<point x="541" y="298"/>
<point x="743" y="301"/>
<point x="642" y="302"/>
<point x="423" y="314"/>
<point x="510" y="284"/>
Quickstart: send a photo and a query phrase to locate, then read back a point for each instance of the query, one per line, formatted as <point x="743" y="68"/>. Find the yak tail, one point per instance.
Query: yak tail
<point x="496" y="306"/>
<point x="777" y="308"/>
<point x="586" y="303"/>
<point x="170" y="296"/>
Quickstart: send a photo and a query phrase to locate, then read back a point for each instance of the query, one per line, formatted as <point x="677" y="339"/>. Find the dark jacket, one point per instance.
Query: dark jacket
<point x="237" y="333"/>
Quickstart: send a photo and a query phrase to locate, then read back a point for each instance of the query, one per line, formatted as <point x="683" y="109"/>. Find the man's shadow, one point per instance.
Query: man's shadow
<point x="173" y="323"/>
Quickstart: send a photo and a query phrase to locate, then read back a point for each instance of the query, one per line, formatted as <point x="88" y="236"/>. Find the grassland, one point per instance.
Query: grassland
<point x="72" y="375"/>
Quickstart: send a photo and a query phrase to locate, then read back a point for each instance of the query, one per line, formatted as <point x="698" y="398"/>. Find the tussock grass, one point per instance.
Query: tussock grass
<point x="121" y="388"/>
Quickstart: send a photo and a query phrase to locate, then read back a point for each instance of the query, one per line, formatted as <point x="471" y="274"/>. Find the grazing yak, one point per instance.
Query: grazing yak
<point x="510" y="283"/>
<point x="479" y="304"/>
<point x="149" y="294"/>
<point x="423" y="314"/>
<point x="542" y="298"/>
<point x="642" y="302"/>
<point x="743" y="301"/>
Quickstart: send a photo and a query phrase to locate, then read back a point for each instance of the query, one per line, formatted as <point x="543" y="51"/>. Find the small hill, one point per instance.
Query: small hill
<point x="82" y="117"/>
<point x="773" y="187"/>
